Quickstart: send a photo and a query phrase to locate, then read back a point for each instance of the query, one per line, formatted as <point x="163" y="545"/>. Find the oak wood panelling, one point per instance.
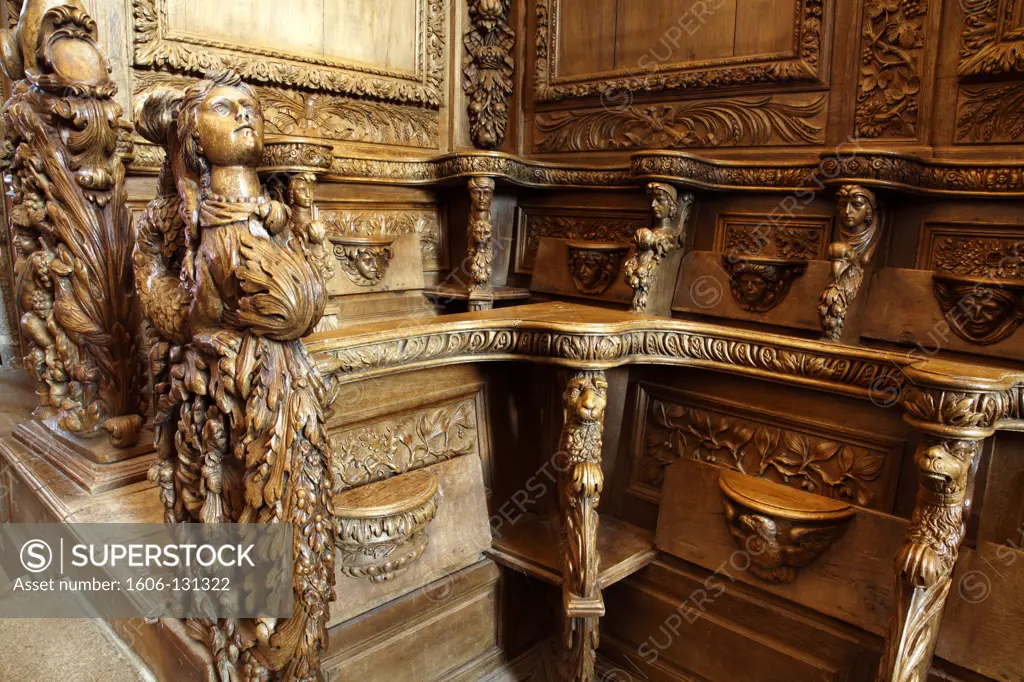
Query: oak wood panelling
<point x="984" y="249"/>
<point x="755" y="234"/>
<point x="428" y="222"/>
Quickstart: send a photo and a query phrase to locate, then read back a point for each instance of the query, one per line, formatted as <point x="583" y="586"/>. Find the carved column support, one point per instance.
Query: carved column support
<point x="487" y="70"/>
<point x="480" y="243"/>
<point x="671" y="214"/>
<point x="580" y="484"/>
<point x="954" y="425"/>
<point x="856" y="239"/>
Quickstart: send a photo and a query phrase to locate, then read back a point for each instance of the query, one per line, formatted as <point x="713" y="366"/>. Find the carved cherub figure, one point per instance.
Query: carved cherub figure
<point x="850" y="255"/>
<point x="652" y="245"/>
<point x="242" y="410"/>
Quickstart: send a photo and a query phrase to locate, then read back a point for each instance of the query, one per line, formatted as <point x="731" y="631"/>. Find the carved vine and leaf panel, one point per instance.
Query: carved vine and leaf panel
<point x="823" y="464"/>
<point x="613" y="229"/>
<point x="997" y="258"/>
<point x="685" y="125"/>
<point x="758" y="236"/>
<point x="892" y="51"/>
<point x="428" y="224"/>
<point x="399" y="444"/>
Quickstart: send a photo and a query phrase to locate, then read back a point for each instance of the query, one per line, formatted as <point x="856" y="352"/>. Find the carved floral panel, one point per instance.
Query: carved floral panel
<point x="427" y="223"/>
<point x="795" y="454"/>
<point x="759" y="235"/>
<point x="973" y="249"/>
<point x="533" y="224"/>
<point x="402" y="443"/>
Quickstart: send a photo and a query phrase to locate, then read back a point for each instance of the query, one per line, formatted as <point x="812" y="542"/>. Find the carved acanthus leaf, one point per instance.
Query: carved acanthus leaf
<point x="381" y="223"/>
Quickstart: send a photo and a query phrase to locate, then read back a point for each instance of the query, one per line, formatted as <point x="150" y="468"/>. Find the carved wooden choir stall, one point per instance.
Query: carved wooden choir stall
<point x="575" y="339"/>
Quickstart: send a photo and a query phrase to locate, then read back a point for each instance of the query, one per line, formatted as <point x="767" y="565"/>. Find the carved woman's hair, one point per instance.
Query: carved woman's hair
<point x="188" y="116"/>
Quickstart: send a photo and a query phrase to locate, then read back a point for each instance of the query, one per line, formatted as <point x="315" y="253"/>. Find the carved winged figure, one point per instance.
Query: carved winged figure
<point x="73" y="230"/>
<point x="230" y="289"/>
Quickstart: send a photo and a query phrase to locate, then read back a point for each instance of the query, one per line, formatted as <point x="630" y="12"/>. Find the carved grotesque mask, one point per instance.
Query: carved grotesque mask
<point x="231" y="127"/>
<point x="587" y="398"/>
<point x="751" y="287"/>
<point x="980" y="314"/>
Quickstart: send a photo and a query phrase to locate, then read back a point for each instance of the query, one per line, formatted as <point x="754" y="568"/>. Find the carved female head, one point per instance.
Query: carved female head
<point x="221" y="123"/>
<point x="302" y="190"/>
<point x="664" y="201"/>
<point x="857" y="206"/>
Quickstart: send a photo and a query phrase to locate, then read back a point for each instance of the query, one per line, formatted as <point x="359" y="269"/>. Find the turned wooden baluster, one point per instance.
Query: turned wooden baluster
<point x="579" y="490"/>
<point x="954" y="425"/>
<point x="481" y="243"/>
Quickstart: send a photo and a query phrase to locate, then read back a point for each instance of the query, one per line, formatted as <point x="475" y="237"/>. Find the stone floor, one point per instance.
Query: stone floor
<point x="52" y="650"/>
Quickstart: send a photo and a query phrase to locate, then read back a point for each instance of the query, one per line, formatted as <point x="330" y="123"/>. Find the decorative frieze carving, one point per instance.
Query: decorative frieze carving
<point x="393" y="223"/>
<point x="796" y="456"/>
<point x="580" y="484"/>
<point x="760" y="283"/>
<point x="399" y="444"/>
<point x="241" y="433"/>
<point x="684" y="125"/>
<point x="594" y="266"/>
<point x="671" y="215"/>
<point x="782" y="531"/>
<point x="991" y="258"/>
<point x="158" y="47"/>
<point x="487" y="71"/>
<point x="858" y="235"/>
<point x="72" y="229"/>
<point x="364" y="260"/>
<point x="892" y="52"/>
<point x="614" y="229"/>
<point x="803" y="63"/>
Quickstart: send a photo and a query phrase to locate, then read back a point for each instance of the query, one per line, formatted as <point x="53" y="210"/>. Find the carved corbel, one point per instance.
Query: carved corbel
<point x="481" y="243"/>
<point x="760" y="283"/>
<point x="980" y="310"/>
<point x="671" y="214"/>
<point x="857" y="238"/>
<point x="364" y="260"/>
<point x="230" y="289"/>
<point x="782" y="529"/>
<point x="594" y="266"/>
<point x="487" y="71"/>
<point x="72" y="229"/>
<point x="954" y="425"/>
<point x="581" y="482"/>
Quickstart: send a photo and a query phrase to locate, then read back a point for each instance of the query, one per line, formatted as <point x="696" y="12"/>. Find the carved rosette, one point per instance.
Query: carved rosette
<point x="580" y="484"/>
<point x="980" y="310"/>
<point x="594" y="266"/>
<point x="759" y="283"/>
<point x="487" y="71"/>
<point x="671" y="214"/>
<point x="380" y="541"/>
<point x="72" y="230"/>
<point x="783" y="530"/>
<point x="858" y="236"/>
<point x="364" y="260"/>
<point x="481" y="248"/>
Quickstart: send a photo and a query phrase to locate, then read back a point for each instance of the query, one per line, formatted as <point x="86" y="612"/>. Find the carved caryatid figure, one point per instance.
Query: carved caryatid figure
<point x="481" y="248"/>
<point x="231" y="289"/>
<point x="653" y="245"/>
<point x="311" y="233"/>
<point x="851" y="253"/>
<point x="73" y="230"/>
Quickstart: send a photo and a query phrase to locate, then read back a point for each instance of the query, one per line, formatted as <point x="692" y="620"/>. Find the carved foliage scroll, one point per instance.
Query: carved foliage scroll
<point x="797" y="455"/>
<point x="992" y="41"/>
<point x="893" y="41"/>
<point x="487" y="69"/>
<point x="685" y="125"/>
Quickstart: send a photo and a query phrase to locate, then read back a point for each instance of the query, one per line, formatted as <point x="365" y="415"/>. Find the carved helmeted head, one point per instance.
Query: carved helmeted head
<point x="586" y="397"/>
<point x="857" y="207"/>
<point x="220" y="123"/>
<point x="664" y="202"/>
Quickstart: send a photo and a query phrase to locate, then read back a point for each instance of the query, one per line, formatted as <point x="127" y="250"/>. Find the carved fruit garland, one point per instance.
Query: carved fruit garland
<point x="487" y="69"/>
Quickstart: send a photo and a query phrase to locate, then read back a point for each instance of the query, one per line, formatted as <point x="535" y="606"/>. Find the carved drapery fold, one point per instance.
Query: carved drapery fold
<point x="487" y="70"/>
<point x="230" y="281"/>
<point x="671" y="214"/>
<point x="857" y="238"/>
<point x="72" y="228"/>
<point x="580" y="484"/>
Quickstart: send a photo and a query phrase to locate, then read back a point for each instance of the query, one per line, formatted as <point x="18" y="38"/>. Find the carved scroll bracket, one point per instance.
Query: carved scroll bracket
<point x="857" y="237"/>
<point x="580" y="484"/>
<point x="671" y="214"/>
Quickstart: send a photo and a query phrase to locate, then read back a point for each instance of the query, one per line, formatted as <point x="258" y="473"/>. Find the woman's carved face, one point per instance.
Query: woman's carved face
<point x="854" y="210"/>
<point x="231" y="127"/>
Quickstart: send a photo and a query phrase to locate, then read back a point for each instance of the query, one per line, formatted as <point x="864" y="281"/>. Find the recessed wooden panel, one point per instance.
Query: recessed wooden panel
<point x="753" y="234"/>
<point x="979" y="249"/>
<point x="588" y="44"/>
<point x="532" y="223"/>
<point x="427" y="221"/>
<point x="661" y="32"/>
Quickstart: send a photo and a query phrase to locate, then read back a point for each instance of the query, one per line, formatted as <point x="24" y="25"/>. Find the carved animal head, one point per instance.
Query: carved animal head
<point x="586" y="397"/>
<point x="944" y="464"/>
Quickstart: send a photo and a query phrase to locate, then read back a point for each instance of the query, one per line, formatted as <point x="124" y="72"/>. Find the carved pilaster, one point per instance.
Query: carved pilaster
<point x="230" y="280"/>
<point x="580" y="484"/>
<point x="857" y="238"/>
<point x="671" y="214"/>
<point x="487" y="71"/>
<point x="72" y="232"/>
<point x="954" y="426"/>
<point x="481" y="246"/>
